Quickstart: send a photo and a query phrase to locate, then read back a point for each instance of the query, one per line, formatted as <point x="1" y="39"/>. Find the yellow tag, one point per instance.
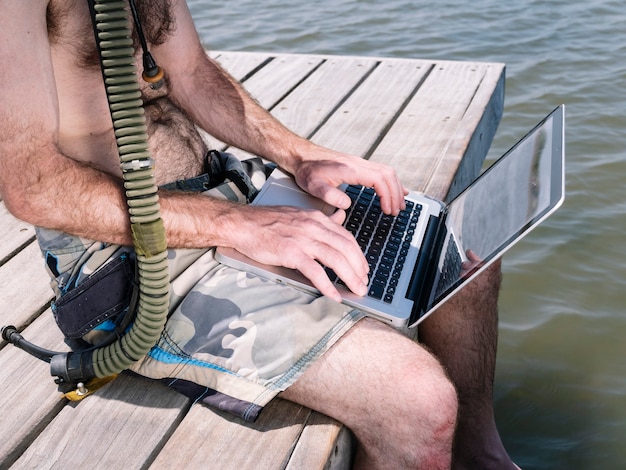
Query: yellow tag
<point x="87" y="389"/>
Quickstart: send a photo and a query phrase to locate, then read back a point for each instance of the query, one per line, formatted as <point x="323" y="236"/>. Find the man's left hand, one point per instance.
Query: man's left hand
<point x="322" y="177"/>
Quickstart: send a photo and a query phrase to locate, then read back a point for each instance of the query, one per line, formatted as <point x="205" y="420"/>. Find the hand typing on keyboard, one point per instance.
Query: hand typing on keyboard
<point x="322" y="177"/>
<point x="383" y="238"/>
<point x="302" y="241"/>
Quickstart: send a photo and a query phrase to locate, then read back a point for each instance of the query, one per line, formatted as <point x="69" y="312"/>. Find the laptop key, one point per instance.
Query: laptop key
<point x="376" y="291"/>
<point x="384" y="239"/>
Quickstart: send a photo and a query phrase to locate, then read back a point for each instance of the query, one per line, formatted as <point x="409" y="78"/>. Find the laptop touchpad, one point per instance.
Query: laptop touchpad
<point x="279" y="195"/>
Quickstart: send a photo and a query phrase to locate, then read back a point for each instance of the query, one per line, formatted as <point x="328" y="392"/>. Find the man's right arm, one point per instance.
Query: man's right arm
<point x="37" y="182"/>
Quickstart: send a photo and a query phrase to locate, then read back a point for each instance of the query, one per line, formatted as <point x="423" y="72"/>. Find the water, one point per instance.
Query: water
<point x="561" y="375"/>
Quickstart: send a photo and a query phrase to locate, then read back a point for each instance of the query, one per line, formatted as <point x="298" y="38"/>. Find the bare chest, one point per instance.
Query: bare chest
<point x="70" y="27"/>
<point x="85" y="128"/>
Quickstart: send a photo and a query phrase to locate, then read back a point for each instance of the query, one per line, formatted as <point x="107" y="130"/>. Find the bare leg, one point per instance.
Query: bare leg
<point x="390" y="392"/>
<point x="463" y="335"/>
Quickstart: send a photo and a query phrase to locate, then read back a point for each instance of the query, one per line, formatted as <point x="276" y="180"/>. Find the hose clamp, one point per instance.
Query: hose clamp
<point x="139" y="164"/>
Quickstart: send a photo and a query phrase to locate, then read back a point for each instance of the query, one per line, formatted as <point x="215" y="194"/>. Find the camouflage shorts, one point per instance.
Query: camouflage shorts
<point x="232" y="340"/>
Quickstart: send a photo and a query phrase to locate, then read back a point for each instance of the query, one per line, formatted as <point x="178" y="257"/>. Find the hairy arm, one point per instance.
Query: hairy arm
<point x="224" y="109"/>
<point x="217" y="102"/>
<point x="38" y="182"/>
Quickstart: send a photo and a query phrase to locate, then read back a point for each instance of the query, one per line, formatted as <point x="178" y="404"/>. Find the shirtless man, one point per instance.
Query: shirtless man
<point x="59" y="171"/>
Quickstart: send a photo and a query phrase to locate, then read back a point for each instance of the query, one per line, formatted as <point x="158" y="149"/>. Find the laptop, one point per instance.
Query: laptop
<point x="423" y="256"/>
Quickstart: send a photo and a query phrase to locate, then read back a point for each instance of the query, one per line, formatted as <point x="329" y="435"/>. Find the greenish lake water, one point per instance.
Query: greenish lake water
<point x="561" y="375"/>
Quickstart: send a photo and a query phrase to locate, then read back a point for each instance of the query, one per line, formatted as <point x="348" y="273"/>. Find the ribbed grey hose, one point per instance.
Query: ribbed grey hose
<point x="113" y="30"/>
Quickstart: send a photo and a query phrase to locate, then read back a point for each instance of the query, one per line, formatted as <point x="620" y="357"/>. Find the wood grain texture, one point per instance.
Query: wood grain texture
<point x="25" y="287"/>
<point x="14" y="234"/>
<point x="431" y="120"/>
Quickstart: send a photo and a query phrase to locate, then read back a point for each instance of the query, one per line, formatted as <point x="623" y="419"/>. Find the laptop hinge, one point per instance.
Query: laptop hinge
<point x="425" y="270"/>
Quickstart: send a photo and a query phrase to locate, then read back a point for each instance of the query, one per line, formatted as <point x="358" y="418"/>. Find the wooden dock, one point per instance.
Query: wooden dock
<point x="432" y="120"/>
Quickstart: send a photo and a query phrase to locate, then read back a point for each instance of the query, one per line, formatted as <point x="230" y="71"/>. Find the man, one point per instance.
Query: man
<point x="59" y="171"/>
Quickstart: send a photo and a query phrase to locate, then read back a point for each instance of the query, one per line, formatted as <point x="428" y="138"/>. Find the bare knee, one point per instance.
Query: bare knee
<point x="432" y="414"/>
<point x="419" y="428"/>
<point x="391" y="392"/>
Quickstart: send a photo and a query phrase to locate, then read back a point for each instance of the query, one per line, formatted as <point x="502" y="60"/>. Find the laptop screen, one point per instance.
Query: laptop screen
<point x="516" y="193"/>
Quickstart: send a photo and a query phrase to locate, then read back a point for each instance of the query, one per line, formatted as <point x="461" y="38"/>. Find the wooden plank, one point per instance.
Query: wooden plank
<point x="321" y="93"/>
<point x="424" y="134"/>
<point x="119" y="426"/>
<point x="25" y="287"/>
<point x="270" y="84"/>
<point x="323" y="441"/>
<point x="359" y="123"/>
<point x="14" y="235"/>
<point x="230" y="443"/>
<point x="473" y="140"/>
<point x="28" y="394"/>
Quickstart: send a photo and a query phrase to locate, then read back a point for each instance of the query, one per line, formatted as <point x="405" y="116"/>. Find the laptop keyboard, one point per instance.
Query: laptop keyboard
<point x="384" y="239"/>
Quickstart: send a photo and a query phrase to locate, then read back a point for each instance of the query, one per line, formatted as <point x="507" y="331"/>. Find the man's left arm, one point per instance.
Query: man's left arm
<point x="220" y="105"/>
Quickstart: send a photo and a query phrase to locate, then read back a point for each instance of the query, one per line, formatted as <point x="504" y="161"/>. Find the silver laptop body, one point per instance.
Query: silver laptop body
<point x="520" y="190"/>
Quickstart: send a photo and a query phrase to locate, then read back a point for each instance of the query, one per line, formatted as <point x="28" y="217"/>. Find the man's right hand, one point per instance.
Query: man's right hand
<point x="302" y="240"/>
